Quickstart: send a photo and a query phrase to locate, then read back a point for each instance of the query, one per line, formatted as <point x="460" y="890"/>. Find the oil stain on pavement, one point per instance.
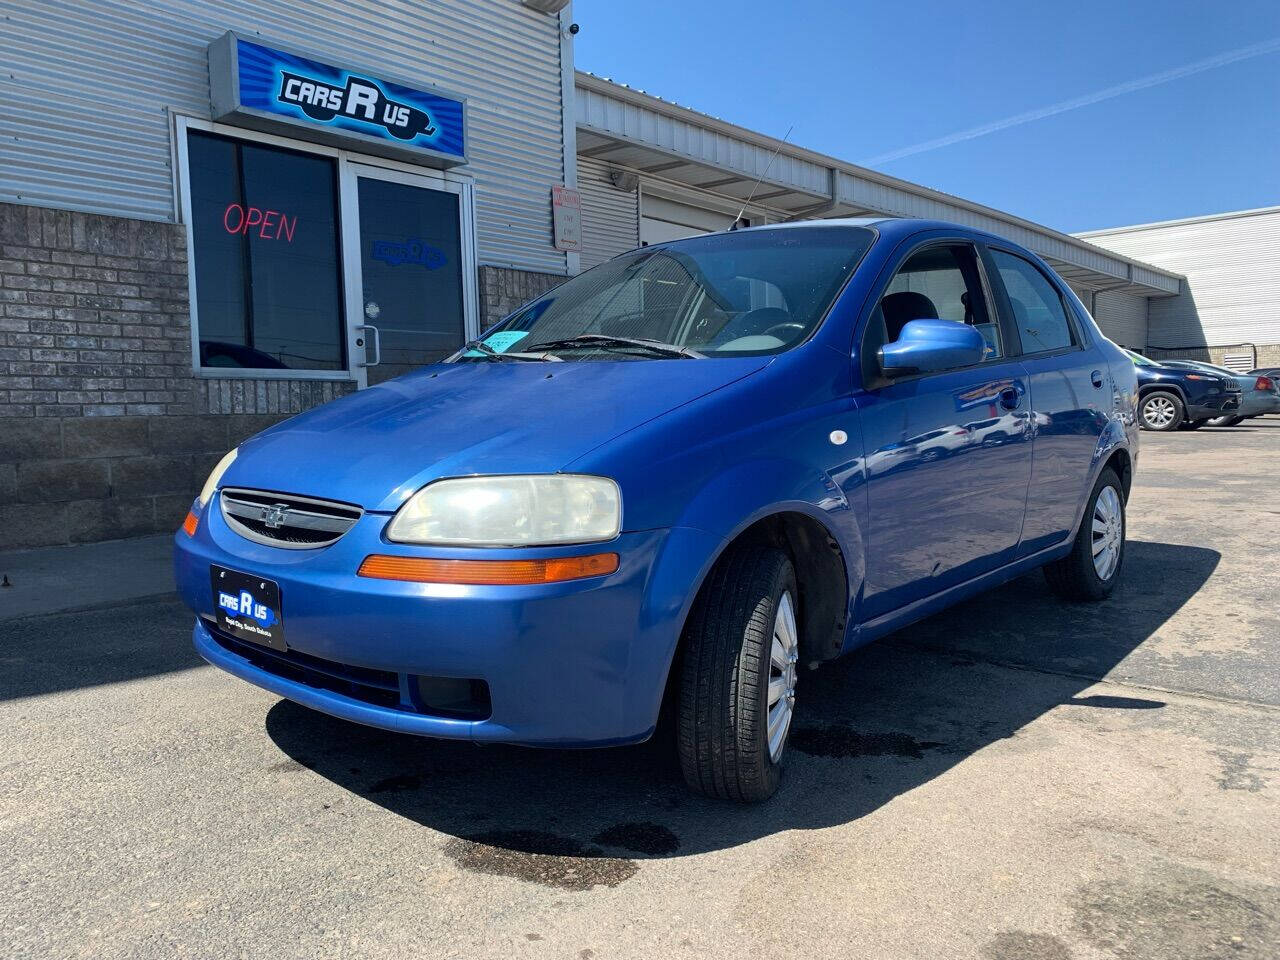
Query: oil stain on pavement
<point x="838" y="740"/>
<point x="1020" y="945"/>
<point x="537" y="857"/>
<point x="648" y="838"/>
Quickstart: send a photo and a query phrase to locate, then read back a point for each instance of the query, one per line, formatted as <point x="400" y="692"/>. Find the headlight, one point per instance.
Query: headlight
<point x="511" y="512"/>
<point x="215" y="477"/>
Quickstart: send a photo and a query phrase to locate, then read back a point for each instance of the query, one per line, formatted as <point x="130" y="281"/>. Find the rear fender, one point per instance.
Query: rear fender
<point x="1113" y="437"/>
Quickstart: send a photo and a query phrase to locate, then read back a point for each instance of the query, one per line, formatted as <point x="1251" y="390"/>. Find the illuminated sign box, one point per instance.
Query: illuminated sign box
<point x="263" y="87"/>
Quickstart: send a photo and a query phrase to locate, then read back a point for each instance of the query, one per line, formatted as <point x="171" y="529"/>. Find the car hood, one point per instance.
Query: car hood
<point x="376" y="447"/>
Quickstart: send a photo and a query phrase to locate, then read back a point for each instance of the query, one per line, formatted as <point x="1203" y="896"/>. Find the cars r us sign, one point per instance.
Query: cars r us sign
<point x="267" y="87"/>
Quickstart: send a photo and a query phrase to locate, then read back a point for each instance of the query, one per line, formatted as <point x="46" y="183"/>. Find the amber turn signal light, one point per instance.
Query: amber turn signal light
<point x="488" y="572"/>
<point x="189" y="525"/>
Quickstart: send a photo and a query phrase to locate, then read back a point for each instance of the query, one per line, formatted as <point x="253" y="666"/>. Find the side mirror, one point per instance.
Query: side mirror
<point x="926" y="346"/>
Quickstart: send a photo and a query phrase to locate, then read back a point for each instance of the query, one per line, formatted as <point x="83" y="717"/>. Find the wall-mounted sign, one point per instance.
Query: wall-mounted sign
<point x="566" y="218"/>
<point x="266" y="87"/>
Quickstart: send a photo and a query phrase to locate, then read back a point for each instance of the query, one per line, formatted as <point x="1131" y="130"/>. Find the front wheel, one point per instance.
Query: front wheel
<point x="1195" y="424"/>
<point x="738" y="680"/>
<point x="1160" y="410"/>
<point x="1226" y="421"/>
<point x="1092" y="568"/>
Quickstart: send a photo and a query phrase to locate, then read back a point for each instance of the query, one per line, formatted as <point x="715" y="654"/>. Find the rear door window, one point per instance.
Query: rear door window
<point x="1037" y="305"/>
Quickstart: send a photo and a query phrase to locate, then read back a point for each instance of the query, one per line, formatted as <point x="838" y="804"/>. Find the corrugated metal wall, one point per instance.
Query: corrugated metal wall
<point x="610" y="217"/>
<point x="1123" y="317"/>
<point x="85" y="87"/>
<point x="688" y="138"/>
<point x="1232" y="264"/>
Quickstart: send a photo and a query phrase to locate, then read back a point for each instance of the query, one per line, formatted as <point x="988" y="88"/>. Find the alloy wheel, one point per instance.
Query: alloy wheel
<point x="1158" y="412"/>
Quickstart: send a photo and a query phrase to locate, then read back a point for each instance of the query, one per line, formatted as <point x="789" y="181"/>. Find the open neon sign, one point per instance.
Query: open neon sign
<point x="268" y="224"/>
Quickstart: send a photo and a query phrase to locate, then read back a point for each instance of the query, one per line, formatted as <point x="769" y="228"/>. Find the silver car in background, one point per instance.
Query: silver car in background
<point x="1259" y="394"/>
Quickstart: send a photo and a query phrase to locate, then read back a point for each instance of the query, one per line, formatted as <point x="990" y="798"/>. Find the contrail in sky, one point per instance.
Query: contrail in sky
<point x="1119" y="90"/>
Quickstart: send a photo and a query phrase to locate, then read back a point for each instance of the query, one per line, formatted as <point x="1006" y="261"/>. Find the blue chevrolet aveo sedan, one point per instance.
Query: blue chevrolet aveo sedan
<point x="669" y="484"/>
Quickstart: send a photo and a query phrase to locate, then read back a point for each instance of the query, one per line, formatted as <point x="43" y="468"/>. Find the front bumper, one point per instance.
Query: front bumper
<point x="580" y="663"/>
<point x="1208" y="407"/>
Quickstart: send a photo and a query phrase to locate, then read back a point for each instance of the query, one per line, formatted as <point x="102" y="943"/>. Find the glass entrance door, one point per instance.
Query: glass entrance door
<point x="412" y="247"/>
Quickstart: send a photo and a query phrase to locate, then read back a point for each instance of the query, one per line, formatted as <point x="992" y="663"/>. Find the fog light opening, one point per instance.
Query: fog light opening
<point x="458" y="698"/>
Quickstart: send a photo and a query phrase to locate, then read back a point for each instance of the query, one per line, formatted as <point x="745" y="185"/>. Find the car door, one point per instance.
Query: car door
<point x="1070" y="393"/>
<point x="945" y="501"/>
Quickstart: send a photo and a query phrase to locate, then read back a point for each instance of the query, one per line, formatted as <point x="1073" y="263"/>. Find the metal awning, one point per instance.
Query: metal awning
<point x="684" y="149"/>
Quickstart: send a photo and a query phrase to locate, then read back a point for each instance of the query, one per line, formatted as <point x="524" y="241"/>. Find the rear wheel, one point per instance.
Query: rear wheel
<point x="1226" y="421"/>
<point x="1091" y="569"/>
<point x="1160" y="410"/>
<point x="737" y="689"/>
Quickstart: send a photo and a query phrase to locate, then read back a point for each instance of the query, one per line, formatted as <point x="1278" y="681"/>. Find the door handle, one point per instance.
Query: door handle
<point x="377" y="345"/>
<point x="1010" y="397"/>
<point x="1096" y="377"/>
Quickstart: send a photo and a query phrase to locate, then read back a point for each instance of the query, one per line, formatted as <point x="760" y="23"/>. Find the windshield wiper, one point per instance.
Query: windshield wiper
<point x="491" y="354"/>
<point x="605" y="340"/>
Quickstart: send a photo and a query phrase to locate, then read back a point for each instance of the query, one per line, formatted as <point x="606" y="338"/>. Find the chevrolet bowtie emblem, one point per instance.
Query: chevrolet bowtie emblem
<point x="274" y="516"/>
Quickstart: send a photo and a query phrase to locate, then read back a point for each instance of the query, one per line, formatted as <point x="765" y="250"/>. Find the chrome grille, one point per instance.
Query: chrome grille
<point x="1233" y="386"/>
<point x="285" y="519"/>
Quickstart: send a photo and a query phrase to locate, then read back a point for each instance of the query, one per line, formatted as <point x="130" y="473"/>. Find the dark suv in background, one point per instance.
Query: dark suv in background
<point x="1171" y="397"/>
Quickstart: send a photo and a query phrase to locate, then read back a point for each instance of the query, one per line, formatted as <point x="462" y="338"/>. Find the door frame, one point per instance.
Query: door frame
<point x="350" y="171"/>
<point x="350" y="165"/>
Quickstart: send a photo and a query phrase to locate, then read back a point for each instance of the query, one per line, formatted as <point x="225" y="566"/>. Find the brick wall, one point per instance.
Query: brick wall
<point x="1268" y="353"/>
<point x="93" y="315"/>
<point x="81" y="479"/>
<point x="502" y="290"/>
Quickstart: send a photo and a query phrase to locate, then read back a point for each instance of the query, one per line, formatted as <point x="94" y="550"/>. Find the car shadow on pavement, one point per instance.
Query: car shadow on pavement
<point x="68" y="651"/>
<point x="870" y="727"/>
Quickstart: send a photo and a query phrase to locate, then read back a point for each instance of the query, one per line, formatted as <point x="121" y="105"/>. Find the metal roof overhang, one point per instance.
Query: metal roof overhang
<point x="687" y="150"/>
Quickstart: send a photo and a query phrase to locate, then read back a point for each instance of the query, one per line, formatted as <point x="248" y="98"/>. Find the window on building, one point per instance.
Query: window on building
<point x="267" y="259"/>
<point x="1037" y="306"/>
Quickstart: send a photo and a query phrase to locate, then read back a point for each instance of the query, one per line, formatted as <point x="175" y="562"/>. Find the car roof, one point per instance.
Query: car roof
<point x="889" y="228"/>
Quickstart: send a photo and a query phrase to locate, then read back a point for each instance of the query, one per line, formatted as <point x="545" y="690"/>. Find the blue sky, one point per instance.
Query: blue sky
<point x="863" y="80"/>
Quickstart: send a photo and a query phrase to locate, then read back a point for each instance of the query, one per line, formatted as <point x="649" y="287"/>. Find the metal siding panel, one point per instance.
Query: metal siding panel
<point x="613" y="117"/>
<point x="1123" y="317"/>
<point x="1232" y="265"/>
<point x="610" y="217"/>
<point x="75" y="65"/>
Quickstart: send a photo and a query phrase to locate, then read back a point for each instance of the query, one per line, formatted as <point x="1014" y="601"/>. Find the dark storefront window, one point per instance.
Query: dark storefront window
<point x="268" y="276"/>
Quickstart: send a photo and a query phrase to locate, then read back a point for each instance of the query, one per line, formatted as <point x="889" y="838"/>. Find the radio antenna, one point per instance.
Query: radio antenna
<point x="756" y="186"/>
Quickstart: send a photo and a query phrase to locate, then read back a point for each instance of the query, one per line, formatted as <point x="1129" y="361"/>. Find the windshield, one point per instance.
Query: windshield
<point x="1140" y="360"/>
<point x="727" y="294"/>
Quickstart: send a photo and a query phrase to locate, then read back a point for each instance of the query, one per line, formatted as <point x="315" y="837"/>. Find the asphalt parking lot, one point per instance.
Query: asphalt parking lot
<point x="1013" y="778"/>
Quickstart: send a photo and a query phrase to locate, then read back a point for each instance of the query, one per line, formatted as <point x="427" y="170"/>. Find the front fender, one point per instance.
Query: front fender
<point x="713" y="518"/>
<point x="750" y="491"/>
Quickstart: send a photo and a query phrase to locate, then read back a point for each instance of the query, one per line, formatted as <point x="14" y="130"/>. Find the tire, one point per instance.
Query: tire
<point x="730" y="656"/>
<point x="1160" y="410"/>
<point x="1193" y="424"/>
<point x="1226" y="421"/>
<point x="1077" y="576"/>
